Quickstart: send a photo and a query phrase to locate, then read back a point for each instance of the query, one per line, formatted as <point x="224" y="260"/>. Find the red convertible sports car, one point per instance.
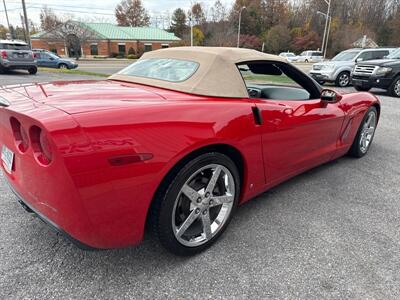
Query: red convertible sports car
<point x="176" y="140"/>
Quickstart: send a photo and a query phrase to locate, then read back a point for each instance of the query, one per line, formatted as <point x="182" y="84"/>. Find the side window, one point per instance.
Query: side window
<point x="303" y="53"/>
<point x="380" y="54"/>
<point x="367" y="55"/>
<point x="270" y="81"/>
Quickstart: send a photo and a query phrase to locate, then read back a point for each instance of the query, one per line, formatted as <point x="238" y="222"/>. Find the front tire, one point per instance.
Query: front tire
<point x="394" y="89"/>
<point x="63" y="66"/>
<point x="343" y="79"/>
<point x="365" y="134"/>
<point x="191" y="210"/>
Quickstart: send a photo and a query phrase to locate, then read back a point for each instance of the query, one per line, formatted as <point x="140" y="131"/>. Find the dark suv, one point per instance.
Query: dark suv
<point x="382" y="73"/>
<point x="16" y="55"/>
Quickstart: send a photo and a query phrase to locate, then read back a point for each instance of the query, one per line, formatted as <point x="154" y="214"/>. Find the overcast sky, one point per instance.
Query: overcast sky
<point x="92" y="10"/>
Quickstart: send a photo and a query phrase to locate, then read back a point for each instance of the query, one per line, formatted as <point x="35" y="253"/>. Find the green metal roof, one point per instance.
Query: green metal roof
<point x="113" y="32"/>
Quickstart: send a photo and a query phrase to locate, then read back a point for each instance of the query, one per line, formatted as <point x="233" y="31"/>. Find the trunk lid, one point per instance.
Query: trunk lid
<point x="74" y="97"/>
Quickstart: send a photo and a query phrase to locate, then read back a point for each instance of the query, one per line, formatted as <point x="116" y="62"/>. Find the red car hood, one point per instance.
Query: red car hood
<point x="75" y="97"/>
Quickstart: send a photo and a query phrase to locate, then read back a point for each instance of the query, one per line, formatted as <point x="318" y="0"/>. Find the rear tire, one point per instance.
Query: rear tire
<point x="191" y="210"/>
<point x="361" y="88"/>
<point x="394" y="89"/>
<point x="365" y="134"/>
<point x="343" y="79"/>
<point x="32" y="70"/>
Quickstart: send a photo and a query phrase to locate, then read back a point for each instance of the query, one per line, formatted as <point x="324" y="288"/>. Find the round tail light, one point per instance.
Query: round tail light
<point x="20" y="135"/>
<point x="40" y="145"/>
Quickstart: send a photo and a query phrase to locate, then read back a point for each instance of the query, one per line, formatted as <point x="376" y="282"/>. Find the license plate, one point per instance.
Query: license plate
<point x="7" y="157"/>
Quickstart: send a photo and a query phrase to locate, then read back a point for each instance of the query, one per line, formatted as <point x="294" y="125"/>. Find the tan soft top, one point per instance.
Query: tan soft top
<point x="217" y="75"/>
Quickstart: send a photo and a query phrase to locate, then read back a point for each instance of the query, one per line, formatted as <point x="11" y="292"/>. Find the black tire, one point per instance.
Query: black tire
<point x="361" y="88"/>
<point x="63" y="66"/>
<point x="32" y="70"/>
<point x="2" y="70"/>
<point x="306" y="60"/>
<point x="356" y="148"/>
<point x="162" y="209"/>
<point x="343" y="79"/>
<point x="394" y="89"/>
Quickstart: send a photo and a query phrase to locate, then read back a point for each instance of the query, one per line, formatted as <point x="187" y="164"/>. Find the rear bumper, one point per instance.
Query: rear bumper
<point x="46" y="220"/>
<point x="18" y="65"/>
<point x="371" y="81"/>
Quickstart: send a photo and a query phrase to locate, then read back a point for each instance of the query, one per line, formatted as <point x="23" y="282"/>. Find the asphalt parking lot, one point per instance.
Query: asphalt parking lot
<point x="331" y="233"/>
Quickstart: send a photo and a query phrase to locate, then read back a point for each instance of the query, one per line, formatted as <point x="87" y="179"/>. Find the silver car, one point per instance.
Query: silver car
<point x="338" y="69"/>
<point x="16" y="54"/>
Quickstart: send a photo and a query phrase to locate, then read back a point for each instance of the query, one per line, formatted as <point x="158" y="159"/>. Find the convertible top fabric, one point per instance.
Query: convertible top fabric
<point x="217" y="75"/>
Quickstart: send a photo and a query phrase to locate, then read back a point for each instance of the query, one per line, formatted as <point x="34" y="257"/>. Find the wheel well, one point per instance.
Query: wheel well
<point x="228" y="150"/>
<point x="378" y="109"/>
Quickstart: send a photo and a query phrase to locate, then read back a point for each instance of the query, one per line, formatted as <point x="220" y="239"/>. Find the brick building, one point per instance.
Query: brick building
<point x="107" y="40"/>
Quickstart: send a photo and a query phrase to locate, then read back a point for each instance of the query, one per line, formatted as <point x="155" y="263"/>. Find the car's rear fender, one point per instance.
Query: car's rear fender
<point x="48" y="186"/>
<point x="169" y="133"/>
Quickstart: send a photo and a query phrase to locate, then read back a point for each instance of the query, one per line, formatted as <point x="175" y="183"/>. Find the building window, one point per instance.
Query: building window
<point x="163" y="46"/>
<point x="148" y="47"/>
<point x="94" y="50"/>
<point x="121" y="49"/>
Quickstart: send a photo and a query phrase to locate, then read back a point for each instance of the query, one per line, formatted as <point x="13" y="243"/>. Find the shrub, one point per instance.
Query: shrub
<point x="132" y="56"/>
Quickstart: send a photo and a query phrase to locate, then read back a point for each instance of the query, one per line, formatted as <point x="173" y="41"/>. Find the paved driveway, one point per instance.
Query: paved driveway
<point x="331" y="233"/>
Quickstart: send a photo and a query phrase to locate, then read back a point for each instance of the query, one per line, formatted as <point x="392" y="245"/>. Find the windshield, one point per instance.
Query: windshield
<point x="345" y="56"/>
<point x="174" y="70"/>
<point x="395" y="54"/>
<point x="52" y="55"/>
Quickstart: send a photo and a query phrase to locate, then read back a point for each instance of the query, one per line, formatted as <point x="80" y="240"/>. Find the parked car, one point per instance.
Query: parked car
<point x="176" y="140"/>
<point x="50" y="60"/>
<point x="310" y="56"/>
<point x="290" y="56"/>
<point x="382" y="73"/>
<point x="16" y="55"/>
<point x="338" y="69"/>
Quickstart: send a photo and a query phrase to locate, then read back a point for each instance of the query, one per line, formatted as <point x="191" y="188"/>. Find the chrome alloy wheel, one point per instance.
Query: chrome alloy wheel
<point x="367" y="131"/>
<point x="397" y="88"/>
<point x="344" y="79"/>
<point x="203" y="205"/>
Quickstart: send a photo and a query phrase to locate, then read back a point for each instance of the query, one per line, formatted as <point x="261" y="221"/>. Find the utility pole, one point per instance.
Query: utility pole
<point x="23" y="26"/>
<point x="240" y="21"/>
<point x="191" y="30"/>
<point x="324" y="44"/>
<point x="28" y="36"/>
<point x="5" y="10"/>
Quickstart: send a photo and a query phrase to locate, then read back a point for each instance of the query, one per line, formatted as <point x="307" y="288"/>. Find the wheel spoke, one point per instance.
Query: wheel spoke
<point x="190" y="193"/>
<point x="213" y="180"/>
<point x="219" y="200"/>
<point x="370" y="131"/>
<point x="189" y="221"/>
<point x="370" y="117"/>
<point x="206" y="224"/>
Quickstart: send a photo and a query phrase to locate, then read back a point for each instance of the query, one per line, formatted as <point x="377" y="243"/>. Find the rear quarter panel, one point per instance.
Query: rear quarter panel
<point x="117" y="198"/>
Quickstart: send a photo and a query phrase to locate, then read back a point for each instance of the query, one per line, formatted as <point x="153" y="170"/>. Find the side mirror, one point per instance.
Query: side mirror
<point x="359" y="59"/>
<point x="330" y="96"/>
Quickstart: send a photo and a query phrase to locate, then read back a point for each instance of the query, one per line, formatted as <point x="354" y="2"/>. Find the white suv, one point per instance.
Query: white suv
<point x="338" y="69"/>
<point x="310" y="56"/>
